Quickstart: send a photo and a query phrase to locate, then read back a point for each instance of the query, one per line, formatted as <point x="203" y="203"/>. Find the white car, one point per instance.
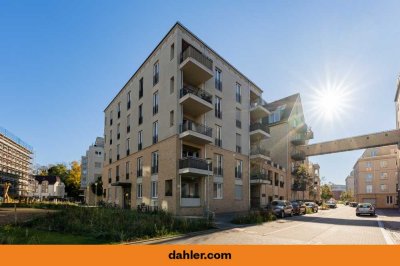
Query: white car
<point x="365" y="208"/>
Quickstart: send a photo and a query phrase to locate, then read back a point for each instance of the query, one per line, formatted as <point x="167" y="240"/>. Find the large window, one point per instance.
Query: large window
<point x="238" y="118"/>
<point x="389" y="200"/>
<point x="139" y="166"/>
<point x="368" y="188"/>
<point x="154" y="162"/>
<point x="128" y="124"/>
<point x="368" y="177"/>
<point x="190" y="189"/>
<point x="218" y="190"/>
<point x="127" y="169"/>
<point x="384" y="175"/>
<point x="168" y="187"/>
<point x="128" y="146"/>
<point x="119" y="110"/>
<point x="218" y="79"/>
<point x="238" y="143"/>
<point x="155" y="132"/>
<point x="172" y="52"/>
<point x="384" y="187"/>
<point x="218" y="136"/>
<point x="238" y="169"/>
<point x="218" y="107"/>
<point x="139" y="191"/>
<point x="218" y="169"/>
<point x="238" y="93"/>
<point x="140" y="113"/>
<point x="156" y="73"/>
<point x="155" y="103"/>
<point x="117" y="173"/>
<point x="154" y="189"/>
<point x="171" y="85"/>
<point x="140" y="140"/>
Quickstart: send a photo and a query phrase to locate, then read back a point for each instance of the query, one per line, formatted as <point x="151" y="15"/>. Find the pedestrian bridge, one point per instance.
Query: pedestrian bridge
<point x="379" y="139"/>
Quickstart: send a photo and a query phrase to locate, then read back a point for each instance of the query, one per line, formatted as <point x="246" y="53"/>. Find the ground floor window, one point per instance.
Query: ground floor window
<point x="139" y="191"/>
<point x="190" y="189"/>
<point x="218" y="191"/>
<point x="238" y="192"/>
<point x="168" y="187"/>
<point x="389" y="200"/>
<point x="154" y="192"/>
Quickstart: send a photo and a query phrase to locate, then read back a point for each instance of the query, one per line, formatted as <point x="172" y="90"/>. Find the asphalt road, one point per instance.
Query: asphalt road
<point x="335" y="226"/>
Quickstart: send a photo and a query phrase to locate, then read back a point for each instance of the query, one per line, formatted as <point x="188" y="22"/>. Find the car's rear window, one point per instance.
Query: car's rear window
<point x="277" y="203"/>
<point x="365" y="205"/>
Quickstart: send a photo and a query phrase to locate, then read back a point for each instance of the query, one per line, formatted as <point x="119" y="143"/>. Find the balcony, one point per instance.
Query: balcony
<point x="195" y="101"/>
<point x="196" y="67"/>
<point x="298" y="155"/>
<point x="195" y="167"/>
<point x="195" y="133"/>
<point x="258" y="109"/>
<point x="259" y="178"/>
<point x="259" y="131"/>
<point x="301" y="137"/>
<point x="260" y="153"/>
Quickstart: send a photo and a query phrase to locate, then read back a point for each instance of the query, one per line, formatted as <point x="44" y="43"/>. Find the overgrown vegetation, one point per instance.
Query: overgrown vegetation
<point x="101" y="225"/>
<point x="40" y="205"/>
<point x="254" y="217"/>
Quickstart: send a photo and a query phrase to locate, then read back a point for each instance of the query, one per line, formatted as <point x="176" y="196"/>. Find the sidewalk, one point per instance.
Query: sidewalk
<point x="391" y="222"/>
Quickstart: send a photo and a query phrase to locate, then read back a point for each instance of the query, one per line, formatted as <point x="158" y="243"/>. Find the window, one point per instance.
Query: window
<point x="154" y="192"/>
<point x="383" y="164"/>
<point x="128" y="123"/>
<point x="374" y="152"/>
<point x="238" y="169"/>
<point x="110" y="137"/>
<point x="218" y="107"/>
<point x="274" y="117"/>
<point x="140" y="121"/>
<point x="281" y="182"/>
<point x="384" y="175"/>
<point x="238" y="93"/>
<point x="139" y="166"/>
<point x="139" y="191"/>
<point x="117" y="173"/>
<point x="190" y="190"/>
<point x="171" y="85"/>
<point x="238" y="118"/>
<point x="128" y="146"/>
<point x="155" y="103"/>
<point x="140" y="139"/>
<point x="128" y="103"/>
<point x="218" y="136"/>
<point x="172" y="52"/>
<point x="117" y="151"/>
<point x="238" y="192"/>
<point x="154" y="162"/>
<point x="218" y="80"/>
<point x="238" y="143"/>
<point x="97" y="165"/>
<point x="168" y="187"/>
<point x="111" y="118"/>
<point x="119" y="110"/>
<point x="141" y="88"/>
<point x="218" y="191"/>
<point x="171" y="118"/>
<point x="368" y="178"/>
<point x="127" y="169"/>
<point x="155" y="132"/>
<point x="389" y="200"/>
<point x="109" y="176"/>
<point x="110" y="156"/>
<point x="218" y="169"/>
<point x="118" y="132"/>
<point x="156" y="73"/>
<point x="368" y="165"/>
<point x="384" y="187"/>
<point x="368" y="189"/>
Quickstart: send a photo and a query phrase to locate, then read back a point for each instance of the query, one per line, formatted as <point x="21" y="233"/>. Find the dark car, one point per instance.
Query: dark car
<point x="281" y="208"/>
<point x="299" y="207"/>
<point x="353" y="204"/>
<point x="312" y="206"/>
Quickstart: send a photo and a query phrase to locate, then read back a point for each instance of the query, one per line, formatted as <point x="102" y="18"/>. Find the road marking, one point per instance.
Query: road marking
<point x="385" y="234"/>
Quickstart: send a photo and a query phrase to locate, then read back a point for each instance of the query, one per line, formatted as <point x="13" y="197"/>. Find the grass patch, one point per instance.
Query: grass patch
<point x="309" y="211"/>
<point x="254" y="217"/>
<point x="99" y="225"/>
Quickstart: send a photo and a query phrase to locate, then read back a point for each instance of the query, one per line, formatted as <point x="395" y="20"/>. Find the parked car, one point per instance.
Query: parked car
<point x="346" y="203"/>
<point x="331" y="204"/>
<point x="298" y="207"/>
<point x="365" y="208"/>
<point x="312" y="206"/>
<point x="353" y="204"/>
<point x="281" y="208"/>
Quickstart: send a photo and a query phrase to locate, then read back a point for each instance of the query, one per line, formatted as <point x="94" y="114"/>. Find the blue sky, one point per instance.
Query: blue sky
<point x="62" y="62"/>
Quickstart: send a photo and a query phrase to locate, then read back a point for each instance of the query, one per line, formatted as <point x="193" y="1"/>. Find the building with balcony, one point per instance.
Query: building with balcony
<point x="15" y="165"/>
<point x="375" y="177"/>
<point x="91" y="170"/>
<point x="181" y="132"/>
<point x="397" y="102"/>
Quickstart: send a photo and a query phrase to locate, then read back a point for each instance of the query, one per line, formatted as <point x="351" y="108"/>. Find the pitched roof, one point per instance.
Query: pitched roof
<point x="51" y="179"/>
<point x="288" y="101"/>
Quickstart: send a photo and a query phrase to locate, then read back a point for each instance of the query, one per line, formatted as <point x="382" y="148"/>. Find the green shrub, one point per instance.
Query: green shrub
<point x="254" y="217"/>
<point x="309" y="211"/>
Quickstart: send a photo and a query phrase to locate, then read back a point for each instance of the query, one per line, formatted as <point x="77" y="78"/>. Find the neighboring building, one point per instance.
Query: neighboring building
<point x="15" y="165"/>
<point x="350" y="183"/>
<point x="48" y="188"/>
<point x="397" y="101"/>
<point x="337" y="190"/>
<point x="288" y="130"/>
<point x="375" y="177"/>
<point x="91" y="170"/>
<point x="183" y="105"/>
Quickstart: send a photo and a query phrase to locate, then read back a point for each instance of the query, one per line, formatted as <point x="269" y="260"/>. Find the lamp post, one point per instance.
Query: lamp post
<point x="208" y="160"/>
<point x="95" y="195"/>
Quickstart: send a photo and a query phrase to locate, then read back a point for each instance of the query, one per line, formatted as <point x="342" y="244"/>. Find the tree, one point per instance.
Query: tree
<point x="346" y="196"/>
<point x="302" y="178"/>
<point x="73" y="180"/>
<point x="326" y="192"/>
<point x="99" y="191"/>
<point x="59" y="170"/>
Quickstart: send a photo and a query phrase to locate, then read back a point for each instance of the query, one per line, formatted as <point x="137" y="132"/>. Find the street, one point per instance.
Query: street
<point x="334" y="226"/>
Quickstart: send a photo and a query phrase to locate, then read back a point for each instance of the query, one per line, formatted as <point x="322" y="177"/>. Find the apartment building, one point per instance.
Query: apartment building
<point x="15" y="165"/>
<point x="350" y="183"/>
<point x="179" y="132"/>
<point x="337" y="190"/>
<point x="375" y="177"/>
<point x="288" y="129"/>
<point x="397" y="103"/>
<point x="91" y="170"/>
<point x="48" y="188"/>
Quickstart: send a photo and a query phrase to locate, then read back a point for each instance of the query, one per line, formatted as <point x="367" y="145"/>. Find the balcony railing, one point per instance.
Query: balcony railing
<point x="199" y="57"/>
<point x="260" y="151"/>
<point x="193" y="126"/>
<point x="259" y="126"/>
<point x="196" y="91"/>
<point x="259" y="175"/>
<point x="192" y="162"/>
<point x="258" y="102"/>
